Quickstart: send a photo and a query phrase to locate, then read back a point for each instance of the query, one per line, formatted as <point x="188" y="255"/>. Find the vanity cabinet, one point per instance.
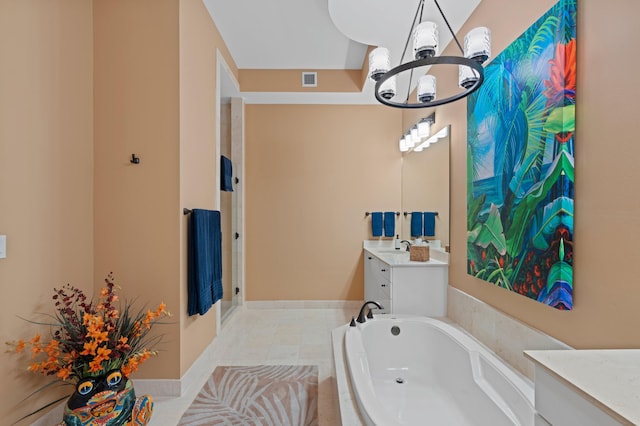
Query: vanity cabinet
<point x="404" y="287"/>
<point x="377" y="279"/>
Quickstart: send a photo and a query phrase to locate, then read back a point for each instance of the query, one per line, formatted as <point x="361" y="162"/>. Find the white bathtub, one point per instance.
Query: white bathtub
<point x="431" y="373"/>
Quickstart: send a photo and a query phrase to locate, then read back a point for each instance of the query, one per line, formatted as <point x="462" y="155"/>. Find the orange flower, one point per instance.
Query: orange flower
<point x="161" y="309"/>
<point x="95" y="366"/>
<point x="104" y="292"/>
<point x="64" y="372"/>
<point x="89" y="348"/>
<point x="20" y="346"/>
<point x="103" y="353"/>
<point x="97" y="335"/>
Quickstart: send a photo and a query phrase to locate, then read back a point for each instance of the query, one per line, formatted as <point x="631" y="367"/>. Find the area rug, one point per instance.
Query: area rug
<point x="269" y="395"/>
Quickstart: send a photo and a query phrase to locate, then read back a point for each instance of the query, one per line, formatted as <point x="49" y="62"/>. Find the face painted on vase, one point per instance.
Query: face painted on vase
<point x="103" y="400"/>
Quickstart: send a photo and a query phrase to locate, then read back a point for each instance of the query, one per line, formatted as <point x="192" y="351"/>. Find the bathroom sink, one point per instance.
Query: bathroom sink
<point x="396" y="252"/>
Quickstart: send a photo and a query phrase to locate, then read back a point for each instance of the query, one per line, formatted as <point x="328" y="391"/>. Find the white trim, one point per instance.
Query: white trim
<point x="303" y="98"/>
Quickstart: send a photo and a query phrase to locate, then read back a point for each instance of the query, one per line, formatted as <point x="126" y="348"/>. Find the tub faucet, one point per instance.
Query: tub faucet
<point x="408" y="243"/>
<point x="361" y="317"/>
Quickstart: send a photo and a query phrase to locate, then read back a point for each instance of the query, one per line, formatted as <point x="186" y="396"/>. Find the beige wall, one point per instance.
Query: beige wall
<point x="607" y="221"/>
<point x="312" y="171"/>
<point x="46" y="187"/>
<point x="136" y="109"/>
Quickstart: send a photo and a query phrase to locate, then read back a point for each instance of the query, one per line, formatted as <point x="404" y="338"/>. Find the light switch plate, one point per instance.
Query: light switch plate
<point x="3" y="246"/>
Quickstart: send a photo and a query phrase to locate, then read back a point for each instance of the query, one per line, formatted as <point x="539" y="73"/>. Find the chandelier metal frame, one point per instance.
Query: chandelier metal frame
<point x="432" y="60"/>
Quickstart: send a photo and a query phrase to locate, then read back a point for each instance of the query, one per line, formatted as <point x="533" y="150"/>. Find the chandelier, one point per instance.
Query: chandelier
<point x="477" y="49"/>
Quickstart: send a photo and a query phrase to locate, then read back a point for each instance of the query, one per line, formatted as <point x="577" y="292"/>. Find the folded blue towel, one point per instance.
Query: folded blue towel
<point x="389" y="224"/>
<point x="430" y="224"/>
<point x="226" y="174"/>
<point x="376" y="224"/>
<point x="204" y="261"/>
<point x="416" y="224"/>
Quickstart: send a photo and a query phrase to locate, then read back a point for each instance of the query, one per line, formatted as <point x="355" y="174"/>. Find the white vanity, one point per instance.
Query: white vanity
<point x="587" y="387"/>
<point x="403" y="286"/>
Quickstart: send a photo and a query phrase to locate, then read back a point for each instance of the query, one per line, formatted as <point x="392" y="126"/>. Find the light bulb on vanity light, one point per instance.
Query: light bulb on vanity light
<point x="424" y="128"/>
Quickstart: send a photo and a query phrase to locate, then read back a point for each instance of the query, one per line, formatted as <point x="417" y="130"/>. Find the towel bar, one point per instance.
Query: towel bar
<point x="408" y="213"/>
<point x="186" y="211"/>
<point x="369" y="213"/>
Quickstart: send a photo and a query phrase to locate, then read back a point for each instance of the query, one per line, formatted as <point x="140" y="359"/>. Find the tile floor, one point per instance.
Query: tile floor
<point x="276" y="337"/>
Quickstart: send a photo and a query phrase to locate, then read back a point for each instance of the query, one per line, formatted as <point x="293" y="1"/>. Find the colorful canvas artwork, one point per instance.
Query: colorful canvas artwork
<point x="520" y="161"/>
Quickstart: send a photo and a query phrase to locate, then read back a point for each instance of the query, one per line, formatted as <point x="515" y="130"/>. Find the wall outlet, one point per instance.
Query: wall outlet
<point x="3" y="246"/>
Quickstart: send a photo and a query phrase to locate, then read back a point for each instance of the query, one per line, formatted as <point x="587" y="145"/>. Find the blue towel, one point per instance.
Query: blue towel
<point x="416" y="224"/>
<point x="226" y="173"/>
<point x="205" y="261"/>
<point x="430" y="224"/>
<point x="376" y="224"/>
<point x="389" y="224"/>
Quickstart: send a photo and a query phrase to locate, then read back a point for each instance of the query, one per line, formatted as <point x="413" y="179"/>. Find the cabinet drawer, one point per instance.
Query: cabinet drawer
<point x="384" y="289"/>
<point x="384" y="270"/>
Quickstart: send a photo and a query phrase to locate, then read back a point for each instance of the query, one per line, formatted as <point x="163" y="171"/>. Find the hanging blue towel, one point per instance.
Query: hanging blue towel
<point x="205" y="261"/>
<point x="430" y="224"/>
<point x="416" y="224"/>
<point x="389" y="224"/>
<point x="226" y="173"/>
<point x="376" y="224"/>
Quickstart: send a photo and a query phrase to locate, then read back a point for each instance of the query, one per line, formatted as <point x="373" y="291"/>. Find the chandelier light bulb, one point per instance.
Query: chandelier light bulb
<point x="426" y="88"/>
<point x="467" y="76"/>
<point x="388" y="88"/>
<point x="477" y="44"/>
<point x="379" y="63"/>
<point x="425" y="40"/>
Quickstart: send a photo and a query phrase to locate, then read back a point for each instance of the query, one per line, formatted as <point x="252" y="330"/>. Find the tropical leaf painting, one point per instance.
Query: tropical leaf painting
<point x="520" y="165"/>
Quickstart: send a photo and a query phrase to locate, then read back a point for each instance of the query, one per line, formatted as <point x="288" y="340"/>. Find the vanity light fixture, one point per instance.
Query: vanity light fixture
<point x="443" y="133"/>
<point x="417" y="134"/>
<point x="477" y="49"/>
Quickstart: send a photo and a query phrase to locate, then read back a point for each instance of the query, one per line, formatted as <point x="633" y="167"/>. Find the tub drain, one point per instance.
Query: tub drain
<point x="395" y="330"/>
<point x="399" y="380"/>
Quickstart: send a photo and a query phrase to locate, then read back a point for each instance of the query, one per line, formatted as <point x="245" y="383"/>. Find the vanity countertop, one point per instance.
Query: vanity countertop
<point x="609" y="378"/>
<point x="385" y="251"/>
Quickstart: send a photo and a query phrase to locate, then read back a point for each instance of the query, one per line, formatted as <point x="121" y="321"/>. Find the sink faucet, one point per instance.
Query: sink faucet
<point x="408" y="243"/>
<point x="361" y="317"/>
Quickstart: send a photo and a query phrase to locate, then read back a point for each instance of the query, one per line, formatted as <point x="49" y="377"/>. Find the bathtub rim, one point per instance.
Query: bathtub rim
<point x="348" y="399"/>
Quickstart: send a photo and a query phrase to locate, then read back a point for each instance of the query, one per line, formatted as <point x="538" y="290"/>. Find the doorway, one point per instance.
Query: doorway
<point x="230" y="128"/>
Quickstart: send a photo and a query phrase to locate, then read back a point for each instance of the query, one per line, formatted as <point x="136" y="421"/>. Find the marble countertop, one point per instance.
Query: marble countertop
<point x="608" y="378"/>
<point x="385" y="251"/>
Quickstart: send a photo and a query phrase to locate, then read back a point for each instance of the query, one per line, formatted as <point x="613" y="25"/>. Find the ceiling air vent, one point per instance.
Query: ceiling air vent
<point x="309" y="79"/>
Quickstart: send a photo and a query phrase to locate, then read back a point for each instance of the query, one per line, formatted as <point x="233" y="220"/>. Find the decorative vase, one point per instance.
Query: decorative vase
<point x="108" y="400"/>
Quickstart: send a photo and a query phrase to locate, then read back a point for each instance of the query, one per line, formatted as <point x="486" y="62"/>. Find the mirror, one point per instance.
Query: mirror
<point x="425" y="185"/>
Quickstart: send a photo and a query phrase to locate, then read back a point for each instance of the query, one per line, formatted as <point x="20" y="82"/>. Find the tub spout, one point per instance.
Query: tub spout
<point x="361" y="317"/>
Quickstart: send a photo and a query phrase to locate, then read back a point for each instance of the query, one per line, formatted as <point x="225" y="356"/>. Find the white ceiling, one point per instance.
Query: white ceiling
<point x="323" y="34"/>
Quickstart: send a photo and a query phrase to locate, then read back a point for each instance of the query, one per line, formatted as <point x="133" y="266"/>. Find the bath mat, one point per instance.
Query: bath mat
<point x="278" y="395"/>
